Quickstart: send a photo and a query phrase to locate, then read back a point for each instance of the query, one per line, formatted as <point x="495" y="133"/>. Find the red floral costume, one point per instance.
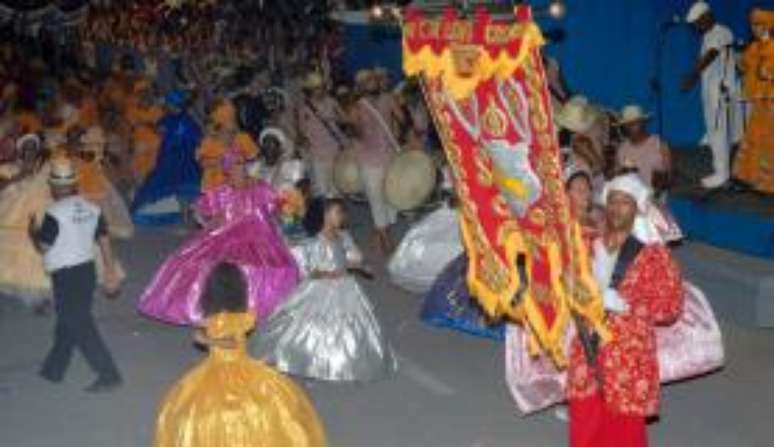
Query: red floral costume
<point x="628" y="365"/>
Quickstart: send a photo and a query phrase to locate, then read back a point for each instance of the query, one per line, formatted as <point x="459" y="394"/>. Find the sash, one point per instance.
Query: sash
<point x="590" y="340"/>
<point x="324" y="122"/>
<point x="372" y="110"/>
<point x="629" y="251"/>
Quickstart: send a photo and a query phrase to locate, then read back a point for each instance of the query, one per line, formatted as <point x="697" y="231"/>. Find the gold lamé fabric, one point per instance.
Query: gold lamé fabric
<point x="231" y="400"/>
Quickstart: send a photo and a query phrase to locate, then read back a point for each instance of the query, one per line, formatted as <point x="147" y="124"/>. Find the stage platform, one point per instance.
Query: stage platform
<point x="741" y="222"/>
<point x="738" y="221"/>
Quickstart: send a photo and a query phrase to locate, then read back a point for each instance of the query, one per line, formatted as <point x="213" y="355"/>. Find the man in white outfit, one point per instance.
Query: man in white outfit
<point x="716" y="68"/>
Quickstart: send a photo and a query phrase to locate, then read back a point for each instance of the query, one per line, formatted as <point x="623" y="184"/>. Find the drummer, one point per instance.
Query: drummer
<point x="319" y="133"/>
<point x="372" y="139"/>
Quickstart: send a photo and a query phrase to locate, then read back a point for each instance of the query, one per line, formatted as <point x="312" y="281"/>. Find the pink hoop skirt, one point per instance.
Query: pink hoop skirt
<point x="689" y="348"/>
<point x="247" y="236"/>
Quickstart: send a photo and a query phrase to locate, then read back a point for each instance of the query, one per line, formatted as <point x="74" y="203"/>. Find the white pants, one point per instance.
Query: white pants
<point x="382" y="213"/>
<point x="724" y="123"/>
<point x="322" y="178"/>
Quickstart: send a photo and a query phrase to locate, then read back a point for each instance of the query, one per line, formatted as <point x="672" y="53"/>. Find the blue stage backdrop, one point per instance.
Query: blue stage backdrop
<point x="609" y="54"/>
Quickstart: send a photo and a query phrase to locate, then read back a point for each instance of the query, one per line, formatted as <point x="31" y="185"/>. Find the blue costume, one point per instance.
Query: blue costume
<point x="449" y="304"/>
<point x="176" y="178"/>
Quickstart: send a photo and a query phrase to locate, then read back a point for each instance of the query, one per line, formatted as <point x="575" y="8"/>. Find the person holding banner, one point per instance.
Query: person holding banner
<point x="611" y="392"/>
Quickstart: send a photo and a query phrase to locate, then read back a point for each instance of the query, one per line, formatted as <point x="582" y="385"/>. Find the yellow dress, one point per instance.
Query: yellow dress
<point x="231" y="400"/>
<point x="22" y="273"/>
<point x="94" y="185"/>
<point x="145" y="138"/>
<point x="755" y="162"/>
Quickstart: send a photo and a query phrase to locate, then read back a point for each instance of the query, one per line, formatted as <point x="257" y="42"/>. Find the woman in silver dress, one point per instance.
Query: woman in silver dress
<point x="327" y="329"/>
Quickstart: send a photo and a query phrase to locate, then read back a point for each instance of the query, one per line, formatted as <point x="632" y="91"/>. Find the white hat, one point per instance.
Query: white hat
<point x="62" y="173"/>
<point x="632" y="113"/>
<point x="28" y="138"/>
<point x="697" y="11"/>
<point x="577" y="115"/>
<point x="630" y="184"/>
<point x="280" y="136"/>
<point x="313" y="80"/>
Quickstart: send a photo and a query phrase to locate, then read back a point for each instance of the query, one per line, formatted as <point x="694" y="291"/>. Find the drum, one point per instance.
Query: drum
<point x="410" y="180"/>
<point x="346" y="173"/>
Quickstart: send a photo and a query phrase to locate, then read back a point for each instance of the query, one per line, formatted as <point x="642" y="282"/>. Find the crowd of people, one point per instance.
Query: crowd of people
<point x="231" y="126"/>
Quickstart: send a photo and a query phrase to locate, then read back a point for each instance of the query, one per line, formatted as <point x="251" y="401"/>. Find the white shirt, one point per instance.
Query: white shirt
<point x="77" y="220"/>
<point x="722" y="69"/>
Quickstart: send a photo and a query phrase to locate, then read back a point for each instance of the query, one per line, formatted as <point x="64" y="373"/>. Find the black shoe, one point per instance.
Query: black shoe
<point x="50" y="377"/>
<point x="103" y="385"/>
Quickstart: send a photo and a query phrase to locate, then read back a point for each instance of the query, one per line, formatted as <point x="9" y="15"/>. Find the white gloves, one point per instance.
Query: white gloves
<point x="614" y="302"/>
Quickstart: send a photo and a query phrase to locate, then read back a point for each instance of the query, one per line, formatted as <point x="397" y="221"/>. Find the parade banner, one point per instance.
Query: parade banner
<point x="485" y="87"/>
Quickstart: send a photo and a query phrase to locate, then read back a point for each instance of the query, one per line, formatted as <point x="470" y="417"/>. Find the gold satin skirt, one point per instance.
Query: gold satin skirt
<point x="237" y="402"/>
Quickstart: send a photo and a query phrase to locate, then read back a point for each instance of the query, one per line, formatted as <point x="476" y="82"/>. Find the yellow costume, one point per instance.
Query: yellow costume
<point x="231" y="400"/>
<point x="755" y="162"/>
<point x="215" y="155"/>
<point x="145" y="138"/>
<point x="22" y="273"/>
<point x="95" y="186"/>
<point x="88" y="113"/>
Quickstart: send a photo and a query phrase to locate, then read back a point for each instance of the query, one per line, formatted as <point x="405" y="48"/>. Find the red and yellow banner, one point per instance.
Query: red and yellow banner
<point x="485" y="86"/>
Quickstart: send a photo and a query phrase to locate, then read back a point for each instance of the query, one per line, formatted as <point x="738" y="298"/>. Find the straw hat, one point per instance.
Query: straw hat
<point x="313" y="80"/>
<point x="631" y="114"/>
<point x="62" y="173"/>
<point x="363" y="75"/>
<point x="696" y="11"/>
<point x="576" y="115"/>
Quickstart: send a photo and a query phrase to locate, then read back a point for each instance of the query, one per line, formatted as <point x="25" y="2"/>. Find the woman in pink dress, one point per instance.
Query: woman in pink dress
<point x="238" y="227"/>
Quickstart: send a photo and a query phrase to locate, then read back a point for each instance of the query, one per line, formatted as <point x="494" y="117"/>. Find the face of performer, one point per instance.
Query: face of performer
<point x="705" y="23"/>
<point x="579" y="191"/>
<point x="635" y="130"/>
<point x="271" y="151"/>
<point x="334" y="216"/>
<point x="620" y="211"/>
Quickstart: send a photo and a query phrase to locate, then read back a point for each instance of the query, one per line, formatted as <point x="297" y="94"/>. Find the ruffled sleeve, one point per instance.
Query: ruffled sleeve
<point x="659" y="286"/>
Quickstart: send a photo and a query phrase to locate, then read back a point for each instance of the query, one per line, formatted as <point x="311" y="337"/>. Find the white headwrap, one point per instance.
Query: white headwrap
<point x="277" y="133"/>
<point x="630" y="184"/>
<point x="28" y="138"/>
<point x="696" y="11"/>
<point x="644" y="229"/>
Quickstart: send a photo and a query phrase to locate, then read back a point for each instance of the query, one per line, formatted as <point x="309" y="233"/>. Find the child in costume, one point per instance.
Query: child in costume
<point x="239" y="227"/>
<point x="327" y="329"/>
<point x="229" y="399"/>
